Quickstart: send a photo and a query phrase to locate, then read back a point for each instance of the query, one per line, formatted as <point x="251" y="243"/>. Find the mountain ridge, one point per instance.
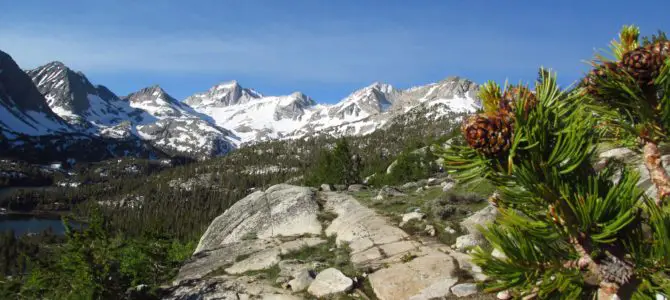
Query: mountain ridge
<point x="227" y="115"/>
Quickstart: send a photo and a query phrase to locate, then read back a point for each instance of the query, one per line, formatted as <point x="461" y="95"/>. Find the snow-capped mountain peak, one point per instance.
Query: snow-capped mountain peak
<point x="23" y="109"/>
<point x="382" y="87"/>
<point x="74" y="98"/>
<point x="227" y="85"/>
<point x="223" y="94"/>
<point x="158" y="103"/>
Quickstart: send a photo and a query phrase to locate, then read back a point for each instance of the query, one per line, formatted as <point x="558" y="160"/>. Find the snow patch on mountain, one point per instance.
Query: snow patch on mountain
<point x="296" y="115"/>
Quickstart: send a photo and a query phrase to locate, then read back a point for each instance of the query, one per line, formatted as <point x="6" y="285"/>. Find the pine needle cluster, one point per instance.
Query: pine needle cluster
<point x="570" y="229"/>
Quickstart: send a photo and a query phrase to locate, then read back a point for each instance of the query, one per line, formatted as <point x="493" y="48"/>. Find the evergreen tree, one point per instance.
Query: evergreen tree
<point x="569" y="229"/>
<point x="339" y="166"/>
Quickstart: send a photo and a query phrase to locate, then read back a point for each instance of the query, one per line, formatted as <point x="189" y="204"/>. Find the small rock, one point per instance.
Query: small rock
<point x="449" y="230"/>
<point x="411" y="216"/>
<point x="419" y="190"/>
<point x="330" y="281"/>
<point x="432" y="181"/>
<point x="430" y="229"/>
<point x="301" y="280"/>
<point x="356" y="188"/>
<point x="504" y="295"/>
<point x="408" y="185"/>
<point x="447" y="186"/>
<point x="340" y="187"/>
<point x="438" y="290"/>
<point x="464" y="289"/>
<point x="412" y="209"/>
<point x="465" y="264"/>
<point x="327" y="187"/>
<point x="367" y="179"/>
<point x="468" y="241"/>
<point x="388" y="191"/>
<point x="283" y="281"/>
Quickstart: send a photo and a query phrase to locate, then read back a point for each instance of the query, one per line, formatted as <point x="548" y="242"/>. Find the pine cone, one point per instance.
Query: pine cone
<point x="514" y="95"/>
<point x="490" y="135"/>
<point x="642" y="64"/>
<point x="598" y="73"/>
<point x="660" y="48"/>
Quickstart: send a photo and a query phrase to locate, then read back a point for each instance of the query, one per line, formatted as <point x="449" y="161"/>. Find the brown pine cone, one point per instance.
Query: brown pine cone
<point x="514" y="95"/>
<point x="598" y="73"/>
<point x="661" y="48"/>
<point x="489" y="134"/>
<point x="642" y="64"/>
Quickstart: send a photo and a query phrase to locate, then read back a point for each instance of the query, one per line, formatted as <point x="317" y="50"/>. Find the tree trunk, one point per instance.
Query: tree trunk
<point x="657" y="173"/>
<point x="614" y="276"/>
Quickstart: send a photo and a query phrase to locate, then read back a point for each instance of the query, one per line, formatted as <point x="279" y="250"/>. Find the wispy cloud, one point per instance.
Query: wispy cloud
<point x="283" y="53"/>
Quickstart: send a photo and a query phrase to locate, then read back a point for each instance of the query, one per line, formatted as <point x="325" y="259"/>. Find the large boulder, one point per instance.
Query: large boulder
<point x="483" y="217"/>
<point x="282" y="210"/>
<point x="425" y="277"/>
<point x="635" y="160"/>
<point x="474" y="237"/>
<point x="251" y="234"/>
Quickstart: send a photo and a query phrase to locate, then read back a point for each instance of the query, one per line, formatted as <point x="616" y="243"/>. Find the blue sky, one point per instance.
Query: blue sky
<point x="325" y="49"/>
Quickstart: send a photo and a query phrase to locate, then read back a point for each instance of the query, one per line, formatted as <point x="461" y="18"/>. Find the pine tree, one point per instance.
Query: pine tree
<point x="569" y="229"/>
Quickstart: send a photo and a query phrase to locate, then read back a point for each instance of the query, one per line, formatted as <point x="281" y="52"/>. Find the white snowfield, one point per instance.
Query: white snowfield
<point x="29" y="122"/>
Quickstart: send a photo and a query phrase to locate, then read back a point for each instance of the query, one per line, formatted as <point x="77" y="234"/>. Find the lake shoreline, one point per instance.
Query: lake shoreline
<point x="35" y="213"/>
<point x="34" y="222"/>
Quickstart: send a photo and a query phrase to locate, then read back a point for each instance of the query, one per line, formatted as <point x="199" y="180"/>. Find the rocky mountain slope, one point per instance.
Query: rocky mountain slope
<point x="23" y="109"/>
<point x="254" y="117"/>
<point x="149" y="115"/>
<point x="52" y="103"/>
